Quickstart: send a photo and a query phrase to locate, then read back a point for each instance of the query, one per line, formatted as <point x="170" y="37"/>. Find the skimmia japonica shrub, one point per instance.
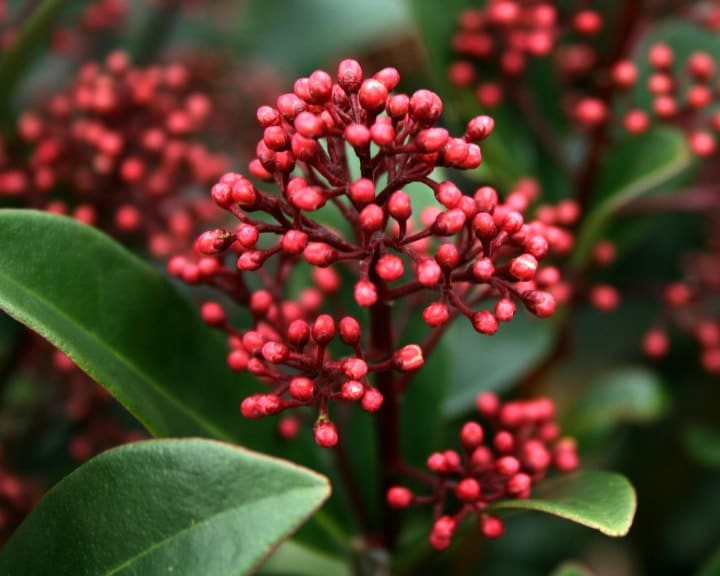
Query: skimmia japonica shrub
<point x="352" y="147"/>
<point x="400" y="290"/>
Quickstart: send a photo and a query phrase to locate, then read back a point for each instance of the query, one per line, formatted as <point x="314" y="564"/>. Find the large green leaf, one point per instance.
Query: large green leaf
<point x="123" y="323"/>
<point x="637" y="166"/>
<point x="493" y="363"/>
<point x="162" y="507"/>
<point x="600" y="500"/>
<point x="626" y="394"/>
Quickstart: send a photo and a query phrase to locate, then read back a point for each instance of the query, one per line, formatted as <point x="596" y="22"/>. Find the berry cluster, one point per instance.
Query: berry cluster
<point x="350" y="144"/>
<point x="123" y="140"/>
<point x="682" y="94"/>
<point x="507" y="34"/>
<point x="500" y="460"/>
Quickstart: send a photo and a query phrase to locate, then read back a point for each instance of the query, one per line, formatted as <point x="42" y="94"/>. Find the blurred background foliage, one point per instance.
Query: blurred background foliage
<point x="655" y="422"/>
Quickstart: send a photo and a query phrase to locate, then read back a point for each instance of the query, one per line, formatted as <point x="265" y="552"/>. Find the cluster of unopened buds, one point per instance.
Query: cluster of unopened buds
<point x="124" y="140"/>
<point x="500" y="459"/>
<point x="507" y="34"/>
<point x="98" y="18"/>
<point x="459" y="252"/>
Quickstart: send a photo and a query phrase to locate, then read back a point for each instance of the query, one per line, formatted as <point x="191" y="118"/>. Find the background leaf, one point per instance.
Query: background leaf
<point x="482" y="363"/>
<point x="600" y="500"/>
<point x="636" y="166"/>
<point x="626" y="394"/>
<point x="158" y="507"/>
<point x="703" y="443"/>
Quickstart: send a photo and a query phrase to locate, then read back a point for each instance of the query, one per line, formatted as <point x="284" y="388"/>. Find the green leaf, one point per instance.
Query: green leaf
<point x="637" y="166"/>
<point x="600" y="500"/>
<point x="14" y="61"/>
<point x="703" y="443"/>
<point x="316" y="28"/>
<point x="293" y="559"/>
<point x="123" y="323"/>
<point x="711" y="567"/>
<point x="492" y="363"/>
<point x="572" y="569"/>
<point x="629" y="394"/>
<point x="166" y="506"/>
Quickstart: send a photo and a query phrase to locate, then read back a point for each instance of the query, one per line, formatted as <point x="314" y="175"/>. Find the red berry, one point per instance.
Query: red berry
<point x="365" y="293"/>
<point x="468" y="490"/>
<point x="301" y="388"/>
<point x="471" y="435"/>
<point x="399" y="497"/>
<point x="372" y="400"/>
<point x="408" y="358"/>
<point x="484" y="322"/>
<point x="436" y="314"/>
<point x="213" y="313"/>
<point x="491" y="526"/>
<point x="325" y="433"/>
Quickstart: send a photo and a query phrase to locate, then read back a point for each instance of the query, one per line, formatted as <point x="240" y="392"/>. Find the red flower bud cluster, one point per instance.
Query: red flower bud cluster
<point x="501" y="459"/>
<point x="348" y="147"/>
<point x="99" y="18"/>
<point x="124" y="140"/>
<point x="508" y="34"/>
<point x="691" y="306"/>
<point x="683" y="94"/>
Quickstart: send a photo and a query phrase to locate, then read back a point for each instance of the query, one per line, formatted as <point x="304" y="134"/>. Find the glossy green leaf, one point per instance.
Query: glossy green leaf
<point x="600" y="500"/>
<point x="629" y="394"/>
<point x="166" y="506"/>
<point x="637" y="166"/>
<point x="492" y="363"/>
<point x="123" y="323"/>
<point x="703" y="443"/>
<point x="293" y="559"/>
<point x="572" y="569"/>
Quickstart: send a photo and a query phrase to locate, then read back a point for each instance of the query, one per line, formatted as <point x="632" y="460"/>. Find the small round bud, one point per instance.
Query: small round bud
<point x="213" y="314"/>
<point x="323" y="329"/>
<point x="491" y="526"/>
<point x="325" y="434"/>
<point x="471" y="435"/>
<point x="542" y="304"/>
<point x="408" y="358"/>
<point x="365" y="293"/>
<point x="372" y="400"/>
<point x="468" y="490"/>
<point x="484" y="322"/>
<point x="349" y="329"/>
<point x="399" y="497"/>
<point x="301" y="388"/>
<point x="436" y="314"/>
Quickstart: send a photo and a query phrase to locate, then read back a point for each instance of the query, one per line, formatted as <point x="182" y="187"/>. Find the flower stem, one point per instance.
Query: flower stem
<point x="388" y="418"/>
